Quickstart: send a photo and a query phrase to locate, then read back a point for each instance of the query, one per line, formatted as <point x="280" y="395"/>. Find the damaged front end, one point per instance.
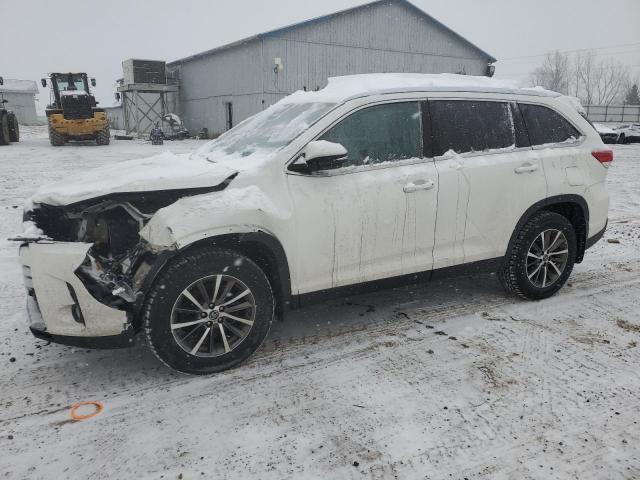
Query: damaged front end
<point x="86" y="267"/>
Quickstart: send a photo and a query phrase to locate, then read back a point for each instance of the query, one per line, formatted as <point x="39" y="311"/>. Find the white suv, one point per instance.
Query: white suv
<point x="375" y="177"/>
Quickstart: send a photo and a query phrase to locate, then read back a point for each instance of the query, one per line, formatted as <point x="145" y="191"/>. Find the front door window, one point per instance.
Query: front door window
<point x="380" y="134"/>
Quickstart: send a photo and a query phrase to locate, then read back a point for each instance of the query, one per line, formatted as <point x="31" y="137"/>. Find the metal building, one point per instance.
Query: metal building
<point x="21" y="99"/>
<point x="223" y="86"/>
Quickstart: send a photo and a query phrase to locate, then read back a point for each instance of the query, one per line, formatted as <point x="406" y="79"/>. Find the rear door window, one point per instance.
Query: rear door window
<point x="381" y="133"/>
<point x="471" y="126"/>
<point x="547" y="126"/>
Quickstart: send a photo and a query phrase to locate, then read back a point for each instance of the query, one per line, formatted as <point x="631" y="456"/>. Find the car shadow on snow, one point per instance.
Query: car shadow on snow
<point x="431" y="301"/>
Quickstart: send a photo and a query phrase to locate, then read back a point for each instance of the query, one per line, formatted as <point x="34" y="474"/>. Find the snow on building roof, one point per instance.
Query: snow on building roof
<point x="19" y="86"/>
<point x="407" y="3"/>
<point x="340" y="89"/>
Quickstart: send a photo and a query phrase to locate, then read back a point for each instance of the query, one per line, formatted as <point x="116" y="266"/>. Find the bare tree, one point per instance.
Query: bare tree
<point x="553" y="74"/>
<point x="584" y="76"/>
<point x="611" y="78"/>
<point x="585" y="68"/>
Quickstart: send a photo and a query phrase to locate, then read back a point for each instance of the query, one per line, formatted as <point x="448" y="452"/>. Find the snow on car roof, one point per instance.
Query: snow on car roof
<point x="341" y="89"/>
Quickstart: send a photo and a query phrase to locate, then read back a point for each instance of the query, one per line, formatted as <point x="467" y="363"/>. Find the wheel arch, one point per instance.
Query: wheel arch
<point x="573" y="207"/>
<point x="261" y="247"/>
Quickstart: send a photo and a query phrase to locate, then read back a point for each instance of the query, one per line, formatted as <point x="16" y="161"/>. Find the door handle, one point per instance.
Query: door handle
<point x="526" y="168"/>
<point x="412" y="187"/>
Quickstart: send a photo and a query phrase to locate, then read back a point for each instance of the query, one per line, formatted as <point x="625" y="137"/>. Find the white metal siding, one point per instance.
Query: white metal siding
<point x="231" y="75"/>
<point x="23" y="105"/>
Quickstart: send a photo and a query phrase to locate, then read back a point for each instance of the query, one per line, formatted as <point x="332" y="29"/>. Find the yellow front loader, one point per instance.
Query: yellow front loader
<point x="73" y="113"/>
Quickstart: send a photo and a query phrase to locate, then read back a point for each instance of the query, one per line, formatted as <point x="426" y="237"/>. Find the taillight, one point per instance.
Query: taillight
<point x="605" y="157"/>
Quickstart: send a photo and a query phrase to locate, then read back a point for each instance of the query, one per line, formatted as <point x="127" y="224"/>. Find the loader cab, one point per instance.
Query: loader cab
<point x="74" y="85"/>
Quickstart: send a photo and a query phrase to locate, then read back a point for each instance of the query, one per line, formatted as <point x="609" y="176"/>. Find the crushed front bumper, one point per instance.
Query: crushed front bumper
<point x="59" y="307"/>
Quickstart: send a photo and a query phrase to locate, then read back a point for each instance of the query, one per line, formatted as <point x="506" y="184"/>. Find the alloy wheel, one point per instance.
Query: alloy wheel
<point x="547" y="258"/>
<point x="213" y="315"/>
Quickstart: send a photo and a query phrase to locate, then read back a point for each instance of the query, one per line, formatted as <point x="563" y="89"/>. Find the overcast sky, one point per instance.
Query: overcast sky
<point x="40" y="36"/>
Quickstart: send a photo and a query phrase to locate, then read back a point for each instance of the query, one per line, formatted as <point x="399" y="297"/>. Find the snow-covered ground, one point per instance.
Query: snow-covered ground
<point x="444" y="380"/>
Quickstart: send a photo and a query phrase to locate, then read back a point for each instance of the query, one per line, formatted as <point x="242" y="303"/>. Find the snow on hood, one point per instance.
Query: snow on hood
<point x="166" y="171"/>
<point x="603" y="128"/>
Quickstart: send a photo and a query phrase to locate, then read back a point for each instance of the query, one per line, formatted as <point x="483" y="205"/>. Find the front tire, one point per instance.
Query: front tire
<point x="104" y="136"/>
<point x="541" y="258"/>
<point x="56" y="139"/>
<point x="208" y="311"/>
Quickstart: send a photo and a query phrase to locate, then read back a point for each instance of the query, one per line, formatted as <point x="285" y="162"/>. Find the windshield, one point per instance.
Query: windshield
<point x="265" y="132"/>
<point x="77" y="83"/>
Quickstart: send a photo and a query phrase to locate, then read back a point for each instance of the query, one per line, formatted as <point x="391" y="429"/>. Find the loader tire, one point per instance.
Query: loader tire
<point x="14" y="128"/>
<point x="104" y="136"/>
<point x="56" y="139"/>
<point x="4" y="129"/>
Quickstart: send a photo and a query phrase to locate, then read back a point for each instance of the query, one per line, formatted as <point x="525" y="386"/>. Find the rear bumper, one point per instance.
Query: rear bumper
<point x="59" y="307"/>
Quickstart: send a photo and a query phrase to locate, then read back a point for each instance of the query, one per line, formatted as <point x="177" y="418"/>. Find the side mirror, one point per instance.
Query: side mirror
<point x="43" y="81"/>
<point x="1" y="81"/>
<point x="93" y="82"/>
<point x="320" y="156"/>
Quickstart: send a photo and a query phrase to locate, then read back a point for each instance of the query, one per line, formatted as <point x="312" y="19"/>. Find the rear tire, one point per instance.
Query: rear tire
<point x="104" y="136"/>
<point x="14" y="128"/>
<point x="541" y="258"/>
<point x="56" y="139"/>
<point x="197" y="273"/>
<point x="4" y="129"/>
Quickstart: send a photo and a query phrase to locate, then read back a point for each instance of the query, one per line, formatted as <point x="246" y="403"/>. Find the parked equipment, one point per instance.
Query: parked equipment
<point x="9" y="129"/>
<point x="177" y="130"/>
<point x="73" y="113"/>
<point x="156" y="136"/>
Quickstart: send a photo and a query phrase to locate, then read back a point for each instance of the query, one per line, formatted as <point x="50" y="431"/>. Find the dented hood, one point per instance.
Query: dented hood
<point x="166" y="171"/>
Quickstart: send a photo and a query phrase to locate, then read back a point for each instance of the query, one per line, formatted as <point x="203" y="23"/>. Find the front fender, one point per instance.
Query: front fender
<point x="232" y="211"/>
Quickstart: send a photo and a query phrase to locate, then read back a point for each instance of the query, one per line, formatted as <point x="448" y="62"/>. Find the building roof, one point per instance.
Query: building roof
<point x="407" y="3"/>
<point x="341" y="89"/>
<point x="19" y="86"/>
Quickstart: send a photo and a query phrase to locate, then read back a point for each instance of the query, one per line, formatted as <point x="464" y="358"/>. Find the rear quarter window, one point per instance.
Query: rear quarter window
<point x="547" y="126"/>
